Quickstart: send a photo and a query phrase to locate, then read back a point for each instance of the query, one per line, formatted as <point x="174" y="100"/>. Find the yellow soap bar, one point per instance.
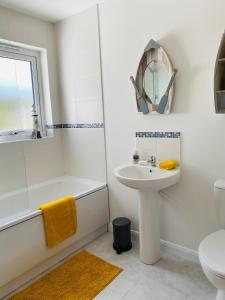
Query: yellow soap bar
<point x="168" y="165"/>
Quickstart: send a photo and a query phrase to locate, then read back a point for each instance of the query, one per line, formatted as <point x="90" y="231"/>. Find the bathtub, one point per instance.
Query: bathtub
<point x="23" y="251"/>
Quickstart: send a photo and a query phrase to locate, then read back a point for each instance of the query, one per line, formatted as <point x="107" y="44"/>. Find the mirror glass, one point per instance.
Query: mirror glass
<point x="155" y="80"/>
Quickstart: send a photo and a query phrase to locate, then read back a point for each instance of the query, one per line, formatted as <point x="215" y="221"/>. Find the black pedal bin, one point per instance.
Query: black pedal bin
<point x="121" y="235"/>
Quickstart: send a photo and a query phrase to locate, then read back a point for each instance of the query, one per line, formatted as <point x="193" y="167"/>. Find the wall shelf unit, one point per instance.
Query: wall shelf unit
<point x="219" y="78"/>
<point x="220" y="92"/>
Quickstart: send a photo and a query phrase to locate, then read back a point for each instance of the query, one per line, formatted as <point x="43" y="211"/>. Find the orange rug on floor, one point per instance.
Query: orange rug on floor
<point x="82" y="277"/>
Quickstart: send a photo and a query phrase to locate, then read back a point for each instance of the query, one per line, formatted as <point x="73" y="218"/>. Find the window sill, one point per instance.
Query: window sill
<point x="19" y="139"/>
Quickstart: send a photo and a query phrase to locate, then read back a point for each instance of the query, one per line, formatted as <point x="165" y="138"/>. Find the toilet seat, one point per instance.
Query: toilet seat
<point x="212" y="253"/>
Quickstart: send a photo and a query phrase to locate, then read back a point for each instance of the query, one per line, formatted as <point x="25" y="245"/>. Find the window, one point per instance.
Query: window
<point x="20" y="92"/>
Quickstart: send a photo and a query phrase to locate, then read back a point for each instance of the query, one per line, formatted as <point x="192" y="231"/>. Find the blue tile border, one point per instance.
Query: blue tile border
<point x="55" y="126"/>
<point x="76" y="125"/>
<point x="147" y="134"/>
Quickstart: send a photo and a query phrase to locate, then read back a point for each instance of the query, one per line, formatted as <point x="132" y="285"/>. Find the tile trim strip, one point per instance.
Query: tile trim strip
<point x="55" y="126"/>
<point x="76" y="125"/>
<point x="156" y="134"/>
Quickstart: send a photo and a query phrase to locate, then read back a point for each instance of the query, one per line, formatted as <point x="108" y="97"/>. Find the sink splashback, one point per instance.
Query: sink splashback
<point x="162" y="145"/>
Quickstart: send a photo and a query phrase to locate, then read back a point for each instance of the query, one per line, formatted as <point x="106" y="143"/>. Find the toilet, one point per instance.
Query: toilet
<point x="212" y="249"/>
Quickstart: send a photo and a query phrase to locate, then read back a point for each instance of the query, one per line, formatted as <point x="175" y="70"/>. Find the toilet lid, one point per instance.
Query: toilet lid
<point x="212" y="252"/>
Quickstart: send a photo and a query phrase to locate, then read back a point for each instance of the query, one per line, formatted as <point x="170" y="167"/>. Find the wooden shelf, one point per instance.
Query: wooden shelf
<point x="220" y="92"/>
<point x="219" y="78"/>
<point x="221" y="111"/>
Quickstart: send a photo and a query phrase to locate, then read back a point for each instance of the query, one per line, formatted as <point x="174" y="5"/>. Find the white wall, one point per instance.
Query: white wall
<point x="190" y="31"/>
<point x="71" y="151"/>
<point x="31" y="162"/>
<point x="81" y="94"/>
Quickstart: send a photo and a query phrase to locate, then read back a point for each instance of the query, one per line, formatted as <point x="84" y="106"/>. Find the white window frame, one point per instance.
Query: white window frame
<point x="32" y="56"/>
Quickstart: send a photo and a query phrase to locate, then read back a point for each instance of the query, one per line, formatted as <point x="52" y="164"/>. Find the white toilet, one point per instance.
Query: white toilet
<point x="212" y="249"/>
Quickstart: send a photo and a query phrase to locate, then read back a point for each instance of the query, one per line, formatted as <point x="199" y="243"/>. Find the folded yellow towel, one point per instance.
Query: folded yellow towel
<point x="60" y="220"/>
<point x="168" y="165"/>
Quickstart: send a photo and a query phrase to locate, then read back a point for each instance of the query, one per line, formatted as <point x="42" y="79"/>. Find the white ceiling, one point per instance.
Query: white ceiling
<point x="49" y="10"/>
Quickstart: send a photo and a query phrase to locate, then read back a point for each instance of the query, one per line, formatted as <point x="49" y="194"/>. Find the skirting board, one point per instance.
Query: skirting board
<point x="184" y="252"/>
<point x="46" y="266"/>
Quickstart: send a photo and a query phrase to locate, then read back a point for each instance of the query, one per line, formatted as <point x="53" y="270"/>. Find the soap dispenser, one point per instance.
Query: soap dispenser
<point x="136" y="157"/>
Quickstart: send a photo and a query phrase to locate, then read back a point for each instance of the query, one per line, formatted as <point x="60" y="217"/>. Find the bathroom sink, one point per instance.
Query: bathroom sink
<point x="148" y="181"/>
<point x="146" y="177"/>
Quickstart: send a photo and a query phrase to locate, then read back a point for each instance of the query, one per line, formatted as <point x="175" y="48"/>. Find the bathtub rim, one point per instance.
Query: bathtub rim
<point x="91" y="182"/>
<point x="94" y="187"/>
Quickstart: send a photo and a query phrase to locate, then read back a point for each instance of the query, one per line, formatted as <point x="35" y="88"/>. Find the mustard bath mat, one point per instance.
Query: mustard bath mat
<point x="82" y="277"/>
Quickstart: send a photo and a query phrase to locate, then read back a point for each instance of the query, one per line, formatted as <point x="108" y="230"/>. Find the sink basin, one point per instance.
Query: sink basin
<point x="146" y="177"/>
<point x="148" y="181"/>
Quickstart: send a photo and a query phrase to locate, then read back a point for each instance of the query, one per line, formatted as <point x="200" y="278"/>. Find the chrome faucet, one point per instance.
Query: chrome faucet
<point x="153" y="161"/>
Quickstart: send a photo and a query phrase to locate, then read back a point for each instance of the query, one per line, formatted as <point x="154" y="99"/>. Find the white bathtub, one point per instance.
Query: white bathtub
<point x="23" y="251"/>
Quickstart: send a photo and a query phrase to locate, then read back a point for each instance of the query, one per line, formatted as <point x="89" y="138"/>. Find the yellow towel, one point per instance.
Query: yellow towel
<point x="60" y="220"/>
<point x="168" y="165"/>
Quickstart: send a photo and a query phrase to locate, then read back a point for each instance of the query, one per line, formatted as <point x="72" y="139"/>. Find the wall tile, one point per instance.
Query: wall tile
<point x="146" y="147"/>
<point x="81" y="91"/>
<point x="79" y="66"/>
<point x="162" y="145"/>
<point x="87" y="88"/>
<point x="84" y="153"/>
<point x="13" y="170"/>
<point x="43" y="159"/>
<point x="168" y="149"/>
<point x="88" y="111"/>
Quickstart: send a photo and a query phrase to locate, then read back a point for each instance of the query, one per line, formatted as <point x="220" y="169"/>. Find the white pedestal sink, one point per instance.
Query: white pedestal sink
<point x="148" y="181"/>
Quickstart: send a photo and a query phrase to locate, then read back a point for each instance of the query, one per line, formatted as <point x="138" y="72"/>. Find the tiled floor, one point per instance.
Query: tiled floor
<point x="172" y="278"/>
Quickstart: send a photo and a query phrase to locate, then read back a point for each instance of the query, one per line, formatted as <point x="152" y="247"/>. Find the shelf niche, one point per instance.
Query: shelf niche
<point x="219" y="78"/>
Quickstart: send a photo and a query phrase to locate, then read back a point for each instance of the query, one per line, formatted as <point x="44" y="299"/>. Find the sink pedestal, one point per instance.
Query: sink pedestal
<point x="149" y="231"/>
<point x="148" y="181"/>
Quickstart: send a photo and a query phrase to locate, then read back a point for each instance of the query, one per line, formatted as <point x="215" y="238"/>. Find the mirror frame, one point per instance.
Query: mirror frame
<point x="159" y="54"/>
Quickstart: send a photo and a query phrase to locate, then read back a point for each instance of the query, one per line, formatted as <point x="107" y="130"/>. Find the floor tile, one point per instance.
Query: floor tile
<point x="172" y="278"/>
<point x="148" y="289"/>
<point x="108" y="294"/>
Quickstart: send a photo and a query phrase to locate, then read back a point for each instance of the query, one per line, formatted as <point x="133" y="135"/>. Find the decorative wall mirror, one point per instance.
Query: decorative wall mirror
<point x="154" y="83"/>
